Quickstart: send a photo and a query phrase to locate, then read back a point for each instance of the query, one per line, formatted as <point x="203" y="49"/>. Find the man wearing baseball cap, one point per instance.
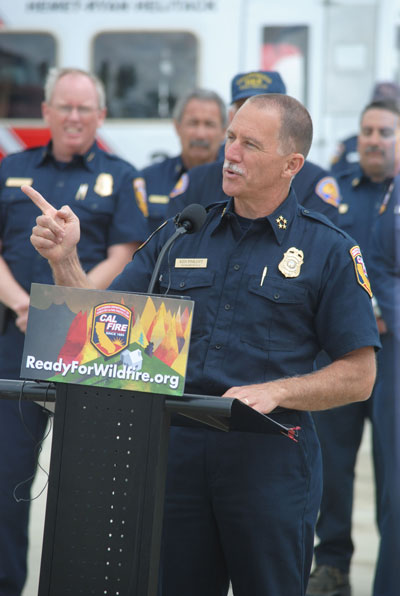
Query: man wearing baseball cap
<point x="315" y="188"/>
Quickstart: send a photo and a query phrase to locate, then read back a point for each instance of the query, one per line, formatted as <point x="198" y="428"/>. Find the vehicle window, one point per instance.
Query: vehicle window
<point x="145" y="72"/>
<point x="24" y="61"/>
<point x="285" y="49"/>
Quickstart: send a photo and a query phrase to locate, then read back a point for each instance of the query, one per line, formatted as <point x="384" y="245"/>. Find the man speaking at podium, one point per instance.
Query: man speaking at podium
<point x="273" y="284"/>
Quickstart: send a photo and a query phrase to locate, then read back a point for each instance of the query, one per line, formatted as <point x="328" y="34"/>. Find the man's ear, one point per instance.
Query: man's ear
<point x="294" y="163"/>
<point x="45" y="109"/>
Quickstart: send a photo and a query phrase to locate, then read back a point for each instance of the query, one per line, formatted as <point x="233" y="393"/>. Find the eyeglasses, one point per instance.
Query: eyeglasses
<point x="66" y="110"/>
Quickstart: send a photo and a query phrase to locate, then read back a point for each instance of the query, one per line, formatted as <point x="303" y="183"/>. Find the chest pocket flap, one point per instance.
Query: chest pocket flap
<point x="185" y="280"/>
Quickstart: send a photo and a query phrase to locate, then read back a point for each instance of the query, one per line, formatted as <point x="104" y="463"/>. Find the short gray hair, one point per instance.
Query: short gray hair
<point x="296" y="128"/>
<point x="55" y="74"/>
<point x="201" y="95"/>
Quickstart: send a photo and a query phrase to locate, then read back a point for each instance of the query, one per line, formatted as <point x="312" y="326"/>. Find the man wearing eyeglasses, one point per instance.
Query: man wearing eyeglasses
<point x="73" y="170"/>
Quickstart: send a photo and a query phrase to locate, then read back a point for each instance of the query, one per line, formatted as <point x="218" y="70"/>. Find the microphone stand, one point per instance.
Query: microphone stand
<point x="178" y="232"/>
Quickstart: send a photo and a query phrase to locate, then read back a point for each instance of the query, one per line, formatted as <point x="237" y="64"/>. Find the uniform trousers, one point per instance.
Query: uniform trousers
<point x="340" y="432"/>
<point x="386" y="415"/>
<point x="22" y="427"/>
<point x="239" y="507"/>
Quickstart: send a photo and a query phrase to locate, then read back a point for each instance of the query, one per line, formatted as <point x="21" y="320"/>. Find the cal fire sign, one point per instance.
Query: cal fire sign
<point x="111" y="328"/>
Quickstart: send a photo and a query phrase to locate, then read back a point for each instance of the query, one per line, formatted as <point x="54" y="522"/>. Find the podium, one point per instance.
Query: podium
<point x="106" y="485"/>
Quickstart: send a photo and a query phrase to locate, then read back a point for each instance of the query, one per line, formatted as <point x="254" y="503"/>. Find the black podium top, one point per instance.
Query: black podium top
<point x="225" y="414"/>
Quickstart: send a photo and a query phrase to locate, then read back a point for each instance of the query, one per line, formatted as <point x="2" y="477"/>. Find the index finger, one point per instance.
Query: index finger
<point x="39" y="200"/>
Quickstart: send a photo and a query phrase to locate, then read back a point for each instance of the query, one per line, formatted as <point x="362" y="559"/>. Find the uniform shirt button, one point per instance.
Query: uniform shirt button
<point x="218" y="346"/>
<point x="182" y="284"/>
<point x="227" y="306"/>
<point x="236" y="267"/>
<point x="276" y="296"/>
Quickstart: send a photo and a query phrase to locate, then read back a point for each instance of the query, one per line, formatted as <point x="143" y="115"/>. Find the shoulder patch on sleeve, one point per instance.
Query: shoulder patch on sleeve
<point x="328" y="190"/>
<point x="360" y="269"/>
<point x="180" y="186"/>
<point x="139" y="187"/>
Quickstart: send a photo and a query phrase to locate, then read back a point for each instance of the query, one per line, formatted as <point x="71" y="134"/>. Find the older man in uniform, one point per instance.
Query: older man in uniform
<point x="71" y="169"/>
<point x="315" y="188"/>
<point x="200" y="123"/>
<point x="365" y="189"/>
<point x="272" y="283"/>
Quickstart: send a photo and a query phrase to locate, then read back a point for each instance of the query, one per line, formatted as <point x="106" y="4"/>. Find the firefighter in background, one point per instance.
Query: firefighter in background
<point x="366" y="189"/>
<point x="71" y="170"/>
<point x="315" y="188"/>
<point x="200" y="123"/>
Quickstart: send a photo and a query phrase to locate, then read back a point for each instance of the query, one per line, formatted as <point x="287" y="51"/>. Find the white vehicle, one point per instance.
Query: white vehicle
<point x="149" y="52"/>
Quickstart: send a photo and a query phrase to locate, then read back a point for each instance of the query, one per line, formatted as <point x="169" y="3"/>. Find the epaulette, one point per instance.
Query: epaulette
<point x="121" y="160"/>
<point x="321" y="218"/>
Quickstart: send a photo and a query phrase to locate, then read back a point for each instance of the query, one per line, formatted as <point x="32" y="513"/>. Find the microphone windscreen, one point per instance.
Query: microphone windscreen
<point x="192" y="218"/>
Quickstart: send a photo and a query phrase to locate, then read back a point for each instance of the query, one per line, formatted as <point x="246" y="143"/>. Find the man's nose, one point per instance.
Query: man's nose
<point x="232" y="151"/>
<point x="74" y="113"/>
<point x="375" y="138"/>
<point x="201" y="131"/>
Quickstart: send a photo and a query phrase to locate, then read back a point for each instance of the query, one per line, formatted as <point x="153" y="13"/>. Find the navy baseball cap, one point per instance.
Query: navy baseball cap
<point x="386" y="90"/>
<point x="245" y="85"/>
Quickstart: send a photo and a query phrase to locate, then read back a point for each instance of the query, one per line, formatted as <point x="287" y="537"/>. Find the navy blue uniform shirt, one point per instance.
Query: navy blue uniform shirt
<point x="384" y="265"/>
<point x="155" y="183"/>
<point x="97" y="186"/>
<point x="361" y="203"/>
<point x="252" y="322"/>
<point x="315" y="189"/>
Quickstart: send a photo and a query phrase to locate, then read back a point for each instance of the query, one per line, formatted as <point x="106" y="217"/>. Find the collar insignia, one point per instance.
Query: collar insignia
<point x="282" y="222"/>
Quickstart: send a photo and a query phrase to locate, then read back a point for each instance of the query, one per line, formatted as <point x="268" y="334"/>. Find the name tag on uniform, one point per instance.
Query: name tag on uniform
<point x="191" y="263"/>
<point x="159" y="199"/>
<point x="15" y="182"/>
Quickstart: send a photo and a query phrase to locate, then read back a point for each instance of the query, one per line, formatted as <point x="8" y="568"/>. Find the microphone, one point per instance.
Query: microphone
<point x="192" y="218"/>
<point x="189" y="221"/>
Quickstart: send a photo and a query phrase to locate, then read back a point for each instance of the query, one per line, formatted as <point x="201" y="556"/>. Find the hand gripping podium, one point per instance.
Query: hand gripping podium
<point x="106" y="483"/>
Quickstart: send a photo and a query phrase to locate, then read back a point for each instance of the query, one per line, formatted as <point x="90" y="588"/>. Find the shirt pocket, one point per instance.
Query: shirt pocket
<point x="277" y="314"/>
<point x="94" y="205"/>
<point x="18" y="212"/>
<point x="196" y="285"/>
<point x="157" y="205"/>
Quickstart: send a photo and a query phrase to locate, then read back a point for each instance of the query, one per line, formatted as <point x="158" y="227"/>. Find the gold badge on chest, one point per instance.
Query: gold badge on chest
<point x="291" y="263"/>
<point x="104" y="185"/>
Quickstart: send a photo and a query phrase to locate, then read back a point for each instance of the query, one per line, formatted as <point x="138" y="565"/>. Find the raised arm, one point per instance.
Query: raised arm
<point x="55" y="237"/>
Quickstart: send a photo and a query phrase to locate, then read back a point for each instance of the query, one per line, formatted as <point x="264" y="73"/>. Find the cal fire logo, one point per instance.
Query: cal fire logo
<point x="111" y="328"/>
<point x="361" y="272"/>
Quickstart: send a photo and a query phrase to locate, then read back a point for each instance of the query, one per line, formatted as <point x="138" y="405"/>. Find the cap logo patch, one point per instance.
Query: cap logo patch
<point x="254" y="80"/>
